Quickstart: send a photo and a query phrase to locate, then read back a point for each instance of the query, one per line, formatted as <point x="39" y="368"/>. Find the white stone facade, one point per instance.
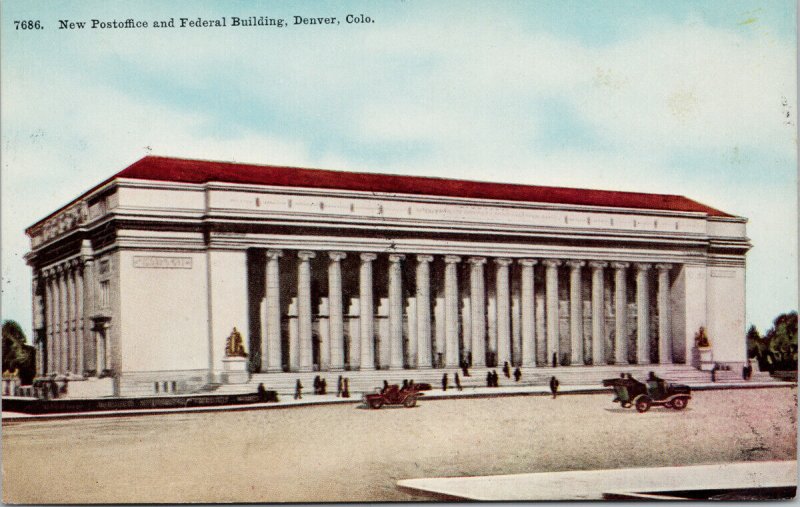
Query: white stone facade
<point x="144" y="280"/>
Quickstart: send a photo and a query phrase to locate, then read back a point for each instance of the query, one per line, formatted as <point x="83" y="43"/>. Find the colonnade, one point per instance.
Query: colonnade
<point x="464" y="324"/>
<point x="63" y="302"/>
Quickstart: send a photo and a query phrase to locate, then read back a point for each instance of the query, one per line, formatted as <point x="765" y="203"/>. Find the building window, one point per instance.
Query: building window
<point x="105" y="291"/>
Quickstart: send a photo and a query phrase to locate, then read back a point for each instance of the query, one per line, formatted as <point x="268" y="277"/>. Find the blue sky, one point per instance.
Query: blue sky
<point x="682" y="97"/>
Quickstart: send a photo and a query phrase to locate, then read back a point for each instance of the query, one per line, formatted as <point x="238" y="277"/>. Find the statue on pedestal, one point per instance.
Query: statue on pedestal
<point x="234" y="346"/>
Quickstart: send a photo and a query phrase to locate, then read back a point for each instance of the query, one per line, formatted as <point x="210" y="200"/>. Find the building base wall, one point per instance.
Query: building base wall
<point x="165" y="382"/>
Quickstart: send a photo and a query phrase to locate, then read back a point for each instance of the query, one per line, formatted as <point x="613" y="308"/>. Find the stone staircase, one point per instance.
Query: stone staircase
<point x="367" y="381"/>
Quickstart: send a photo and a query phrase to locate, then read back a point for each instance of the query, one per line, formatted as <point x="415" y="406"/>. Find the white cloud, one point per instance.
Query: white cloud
<point x="468" y="98"/>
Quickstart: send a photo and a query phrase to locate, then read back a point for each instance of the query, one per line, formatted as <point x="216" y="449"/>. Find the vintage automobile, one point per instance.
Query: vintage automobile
<point x="392" y="395"/>
<point x="656" y="392"/>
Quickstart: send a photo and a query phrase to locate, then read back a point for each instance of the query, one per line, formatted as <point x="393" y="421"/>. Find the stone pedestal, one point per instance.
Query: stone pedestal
<point x="234" y="370"/>
<point x="706" y="358"/>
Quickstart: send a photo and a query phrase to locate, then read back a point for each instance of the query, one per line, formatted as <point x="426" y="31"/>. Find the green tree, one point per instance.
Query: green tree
<point x="781" y="341"/>
<point x="17" y="355"/>
<point x="777" y="349"/>
<point x="756" y="347"/>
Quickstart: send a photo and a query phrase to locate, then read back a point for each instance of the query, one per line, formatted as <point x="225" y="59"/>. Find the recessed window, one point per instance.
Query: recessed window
<point x="105" y="293"/>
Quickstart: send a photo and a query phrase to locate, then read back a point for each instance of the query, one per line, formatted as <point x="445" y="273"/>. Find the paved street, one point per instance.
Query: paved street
<point x="340" y="452"/>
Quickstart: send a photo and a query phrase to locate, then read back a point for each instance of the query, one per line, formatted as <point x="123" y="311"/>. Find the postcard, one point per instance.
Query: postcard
<point x="267" y="252"/>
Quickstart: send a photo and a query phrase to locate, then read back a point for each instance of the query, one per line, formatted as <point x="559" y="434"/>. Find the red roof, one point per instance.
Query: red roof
<point x="201" y="171"/>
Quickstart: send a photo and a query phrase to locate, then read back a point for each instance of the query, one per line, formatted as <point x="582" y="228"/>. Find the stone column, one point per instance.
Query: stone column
<point x="424" y="311"/>
<point x="37" y="320"/>
<point x="396" y="311"/>
<point x="69" y="314"/>
<point x="551" y="305"/>
<point x="664" y="335"/>
<point x="598" y="317"/>
<point x="620" y="312"/>
<point x="63" y="351"/>
<point x="354" y="333"/>
<point x="367" y="316"/>
<point x="89" y="343"/>
<point x="79" y="321"/>
<point x="575" y="313"/>
<point x="477" y="292"/>
<point x="304" y="317"/>
<point x="271" y="356"/>
<point x="528" y="314"/>
<point x="49" y="319"/>
<point x="642" y="314"/>
<point x="503" y="312"/>
<point x="412" y="342"/>
<point x="336" y="310"/>
<point x="451" y="310"/>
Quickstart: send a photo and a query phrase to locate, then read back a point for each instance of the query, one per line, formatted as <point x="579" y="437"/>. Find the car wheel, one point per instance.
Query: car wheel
<point x="378" y="403"/>
<point x="410" y="402"/>
<point x="679" y="403"/>
<point x="643" y="404"/>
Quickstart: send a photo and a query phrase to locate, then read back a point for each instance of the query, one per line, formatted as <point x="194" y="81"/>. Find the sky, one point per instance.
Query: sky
<point x="696" y="98"/>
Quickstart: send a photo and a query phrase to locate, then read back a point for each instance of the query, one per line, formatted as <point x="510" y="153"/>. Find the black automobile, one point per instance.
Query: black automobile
<point x="656" y="392"/>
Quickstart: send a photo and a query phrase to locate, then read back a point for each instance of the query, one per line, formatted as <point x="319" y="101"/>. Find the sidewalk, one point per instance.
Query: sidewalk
<point x="622" y="483"/>
<point x="312" y="399"/>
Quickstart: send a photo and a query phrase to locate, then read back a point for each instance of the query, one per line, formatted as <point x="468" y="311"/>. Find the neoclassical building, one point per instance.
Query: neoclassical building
<point x="144" y="276"/>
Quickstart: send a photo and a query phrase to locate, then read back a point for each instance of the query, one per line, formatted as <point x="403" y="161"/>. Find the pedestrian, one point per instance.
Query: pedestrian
<point x="506" y="370"/>
<point x="517" y="374"/>
<point x="555" y="359"/>
<point x="444" y="382"/>
<point x="489" y="379"/>
<point x="316" y="384"/>
<point x="464" y="369"/>
<point x="554" y="386"/>
<point x="262" y="393"/>
<point x="323" y="386"/>
<point x="458" y="382"/>
<point x="385" y="386"/>
<point x="495" y="379"/>
<point x="298" y="390"/>
<point x="346" y="391"/>
<point x="747" y="371"/>
<point x="405" y="384"/>
<point x="714" y="372"/>
<point x="339" y="387"/>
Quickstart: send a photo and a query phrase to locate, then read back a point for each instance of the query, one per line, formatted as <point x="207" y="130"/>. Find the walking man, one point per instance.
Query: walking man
<point x="339" y="387"/>
<point x="506" y="370"/>
<point x="489" y="379"/>
<point x="346" y="391"/>
<point x="458" y="382"/>
<point x="298" y="390"/>
<point x="554" y="386"/>
<point x="517" y="374"/>
<point x="444" y="382"/>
